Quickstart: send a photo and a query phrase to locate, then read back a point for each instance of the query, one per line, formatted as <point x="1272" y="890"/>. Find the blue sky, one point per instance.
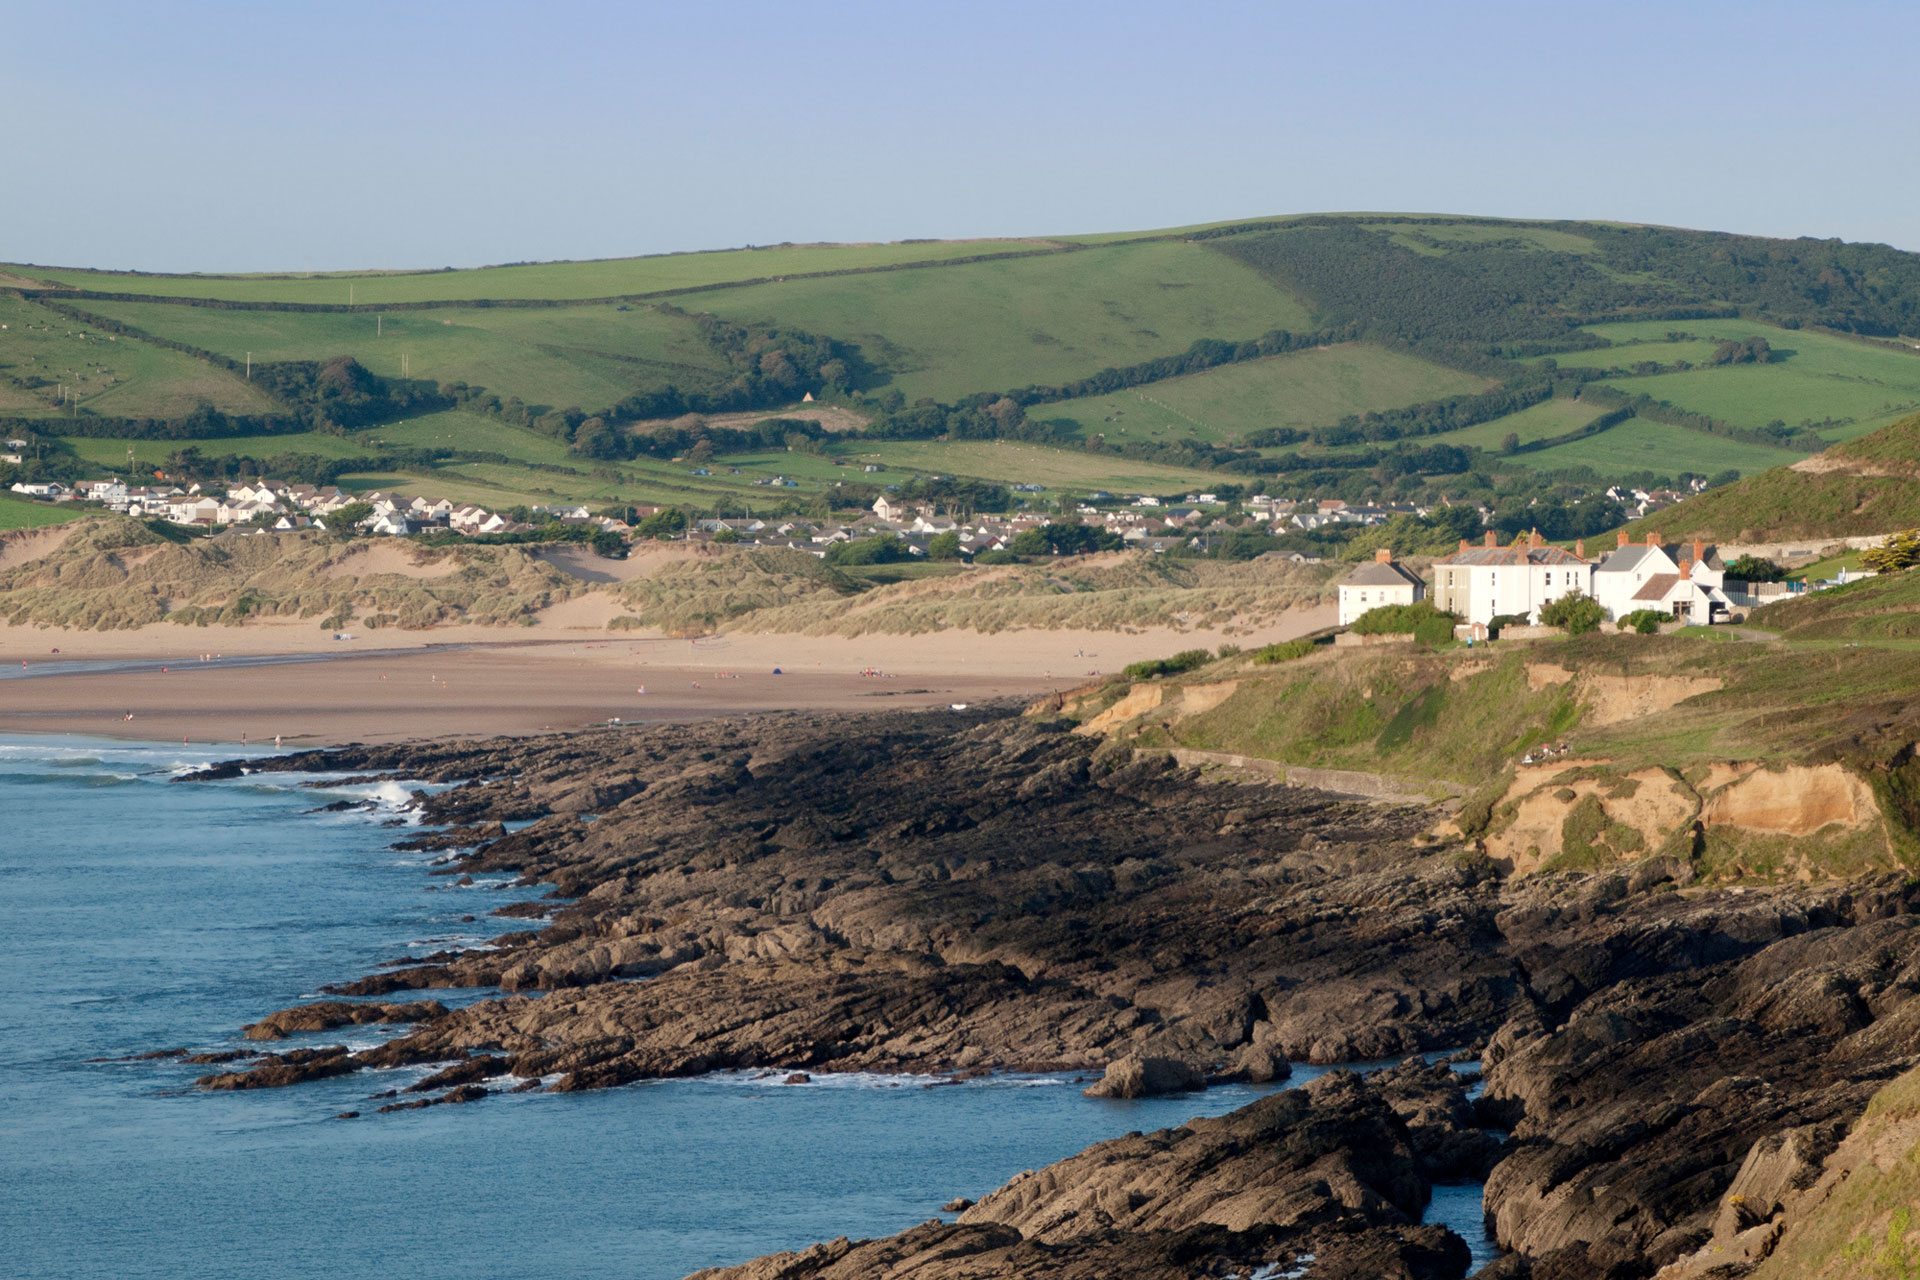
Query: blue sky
<point x="202" y="135"/>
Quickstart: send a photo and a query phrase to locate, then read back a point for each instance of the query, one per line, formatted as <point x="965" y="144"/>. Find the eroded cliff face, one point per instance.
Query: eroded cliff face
<point x="1729" y="820"/>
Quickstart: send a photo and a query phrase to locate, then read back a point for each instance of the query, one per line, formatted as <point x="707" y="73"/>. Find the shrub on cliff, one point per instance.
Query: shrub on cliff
<point x="1185" y="660"/>
<point x="1577" y="614"/>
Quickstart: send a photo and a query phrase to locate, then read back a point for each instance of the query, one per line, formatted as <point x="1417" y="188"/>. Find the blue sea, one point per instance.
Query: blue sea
<point x="136" y="915"/>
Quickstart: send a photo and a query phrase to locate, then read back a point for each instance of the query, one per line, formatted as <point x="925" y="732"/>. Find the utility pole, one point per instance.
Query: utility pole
<point x="249" y="366"/>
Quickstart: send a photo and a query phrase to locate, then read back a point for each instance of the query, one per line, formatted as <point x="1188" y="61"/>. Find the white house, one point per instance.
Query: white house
<point x="1381" y="581"/>
<point x="1483" y="583"/>
<point x="1687" y="581"/>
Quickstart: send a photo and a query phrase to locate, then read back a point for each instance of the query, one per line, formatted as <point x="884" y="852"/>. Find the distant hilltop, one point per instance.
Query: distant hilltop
<point x="1370" y="359"/>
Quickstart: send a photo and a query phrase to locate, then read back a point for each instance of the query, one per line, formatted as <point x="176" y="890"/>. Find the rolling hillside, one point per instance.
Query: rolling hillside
<point x="1317" y="353"/>
<point x="1868" y="485"/>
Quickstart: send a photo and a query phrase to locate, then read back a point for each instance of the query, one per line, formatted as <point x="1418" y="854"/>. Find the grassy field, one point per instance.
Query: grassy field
<point x="996" y="325"/>
<point x="606" y="278"/>
<point x="1640" y="445"/>
<point x="543" y="471"/>
<point x="1009" y="462"/>
<point x="18" y="513"/>
<point x="110" y="375"/>
<point x="588" y="357"/>
<point x="1826" y="376"/>
<point x="1542" y="421"/>
<point x="1303" y="389"/>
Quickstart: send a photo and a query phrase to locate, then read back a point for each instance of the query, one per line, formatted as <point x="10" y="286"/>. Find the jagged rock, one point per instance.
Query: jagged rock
<point x="1327" y="1174"/>
<point x="276" y="1070"/>
<point x="1135" y="1076"/>
<point x="328" y="1014"/>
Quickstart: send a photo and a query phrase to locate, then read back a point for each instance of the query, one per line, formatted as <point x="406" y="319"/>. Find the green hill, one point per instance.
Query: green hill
<point x="1868" y="485"/>
<point x="1326" y="353"/>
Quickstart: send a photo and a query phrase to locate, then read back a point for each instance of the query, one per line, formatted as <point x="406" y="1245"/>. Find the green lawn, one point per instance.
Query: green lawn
<point x="111" y="375"/>
<point x="1302" y="389"/>
<point x="998" y="325"/>
<point x="588" y="357"/>
<point x="1826" y="376"/>
<point x="19" y="513"/>
<point x="1640" y="445"/>
<point x="607" y="278"/>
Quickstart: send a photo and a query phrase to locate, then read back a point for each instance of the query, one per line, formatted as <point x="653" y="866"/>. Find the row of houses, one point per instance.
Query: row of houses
<point x="1478" y="584"/>
<point x="264" y="504"/>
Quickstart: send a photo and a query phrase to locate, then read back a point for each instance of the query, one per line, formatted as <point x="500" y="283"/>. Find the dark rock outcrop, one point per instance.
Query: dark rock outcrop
<point x="1329" y="1175"/>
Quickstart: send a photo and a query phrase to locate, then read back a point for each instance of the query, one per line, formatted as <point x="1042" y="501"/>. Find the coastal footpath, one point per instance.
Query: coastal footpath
<point x="1672" y="1065"/>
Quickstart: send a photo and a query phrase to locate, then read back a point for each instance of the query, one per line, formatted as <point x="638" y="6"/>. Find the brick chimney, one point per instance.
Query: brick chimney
<point x="1686" y="566"/>
<point x="1654" y="539"/>
<point x="1383" y="556"/>
<point x="1699" y="550"/>
<point x="1493" y="539"/>
<point x="1580" y="548"/>
<point x="1624" y="539"/>
<point x="1464" y="544"/>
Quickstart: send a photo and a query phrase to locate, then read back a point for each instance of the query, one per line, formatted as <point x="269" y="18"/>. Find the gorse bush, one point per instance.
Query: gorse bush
<point x="1285" y="651"/>
<point x="1185" y="660"/>
<point x="1426" y="624"/>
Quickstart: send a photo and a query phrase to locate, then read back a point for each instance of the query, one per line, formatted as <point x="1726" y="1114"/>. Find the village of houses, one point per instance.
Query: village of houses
<point x="1478" y="584"/>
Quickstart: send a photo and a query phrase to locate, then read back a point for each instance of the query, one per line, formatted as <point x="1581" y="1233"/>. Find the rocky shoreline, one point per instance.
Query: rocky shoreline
<point x="950" y="892"/>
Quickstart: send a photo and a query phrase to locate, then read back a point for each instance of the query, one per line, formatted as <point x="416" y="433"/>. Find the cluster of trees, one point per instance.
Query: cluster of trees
<point x="1860" y="288"/>
<point x="342" y="393"/>
<point x="1475" y="302"/>
<point x="884" y="548"/>
<point x="1053" y="539"/>
<point x="1754" y="350"/>
<point x="1755" y="569"/>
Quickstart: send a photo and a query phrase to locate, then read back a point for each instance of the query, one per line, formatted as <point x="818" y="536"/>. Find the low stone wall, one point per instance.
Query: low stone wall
<point x="1349" y="640"/>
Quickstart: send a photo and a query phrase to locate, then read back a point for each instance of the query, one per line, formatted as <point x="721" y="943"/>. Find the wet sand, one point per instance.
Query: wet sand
<point x="301" y="685"/>
<point x="429" y="693"/>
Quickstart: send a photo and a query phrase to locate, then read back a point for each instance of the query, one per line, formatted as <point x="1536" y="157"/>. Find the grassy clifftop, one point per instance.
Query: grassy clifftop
<point x="1869" y="485"/>
<point x="1750" y="761"/>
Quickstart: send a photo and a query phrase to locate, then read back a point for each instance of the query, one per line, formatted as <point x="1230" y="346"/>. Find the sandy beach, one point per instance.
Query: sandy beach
<point x="163" y="683"/>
